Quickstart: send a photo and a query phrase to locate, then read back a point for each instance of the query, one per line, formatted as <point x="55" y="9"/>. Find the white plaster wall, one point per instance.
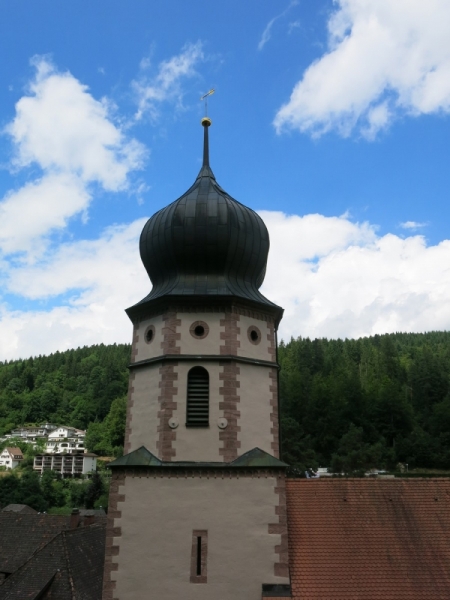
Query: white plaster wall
<point x="260" y="351"/>
<point x="144" y="420"/>
<point x="144" y="350"/>
<point x="198" y="443"/>
<point x="255" y="408"/>
<point x="158" y="517"/>
<point x="208" y="345"/>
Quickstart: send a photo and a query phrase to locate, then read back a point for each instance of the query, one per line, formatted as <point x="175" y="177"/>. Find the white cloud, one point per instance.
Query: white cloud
<point x="165" y="86"/>
<point x="334" y="277"/>
<point x="267" y="33"/>
<point x="339" y="279"/>
<point x="412" y="225"/>
<point x="101" y="277"/>
<point x="384" y="59"/>
<point x="71" y="136"/>
<point x="37" y="209"/>
<point x="63" y="128"/>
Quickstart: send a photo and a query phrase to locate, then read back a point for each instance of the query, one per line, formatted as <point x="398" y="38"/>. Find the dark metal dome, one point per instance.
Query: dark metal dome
<point x="205" y="243"/>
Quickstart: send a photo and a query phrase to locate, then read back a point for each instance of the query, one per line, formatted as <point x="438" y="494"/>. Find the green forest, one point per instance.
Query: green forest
<point x="349" y="405"/>
<point x="374" y="402"/>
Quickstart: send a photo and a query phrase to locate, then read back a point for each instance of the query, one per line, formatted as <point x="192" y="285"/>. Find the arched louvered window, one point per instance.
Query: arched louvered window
<point x="197" y="414"/>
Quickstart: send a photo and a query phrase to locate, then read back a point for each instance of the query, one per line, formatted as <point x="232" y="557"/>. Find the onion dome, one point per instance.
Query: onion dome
<point x="205" y="243"/>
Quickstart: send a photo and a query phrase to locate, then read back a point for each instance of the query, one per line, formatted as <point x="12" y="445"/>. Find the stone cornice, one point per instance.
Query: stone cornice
<point x="203" y="358"/>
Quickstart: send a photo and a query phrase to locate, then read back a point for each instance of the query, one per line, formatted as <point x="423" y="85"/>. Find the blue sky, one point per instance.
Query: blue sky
<point x="330" y="118"/>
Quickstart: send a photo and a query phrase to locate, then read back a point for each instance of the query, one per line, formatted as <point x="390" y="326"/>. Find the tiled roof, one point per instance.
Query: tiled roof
<point x="14" y="451"/>
<point x="23" y="534"/>
<point x="364" y="539"/>
<point x="68" y="567"/>
<point x="19" y="508"/>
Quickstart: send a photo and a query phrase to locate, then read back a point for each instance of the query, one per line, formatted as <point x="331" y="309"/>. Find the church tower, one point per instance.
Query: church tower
<point x="197" y="503"/>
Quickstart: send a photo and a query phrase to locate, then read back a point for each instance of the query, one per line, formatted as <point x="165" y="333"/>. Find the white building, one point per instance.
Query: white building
<point x="33" y="432"/>
<point x="11" y="457"/>
<point x="65" y="439"/>
<point x="69" y="465"/>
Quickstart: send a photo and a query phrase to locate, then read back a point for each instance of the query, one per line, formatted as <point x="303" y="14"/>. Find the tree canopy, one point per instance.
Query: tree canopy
<point x="372" y="402"/>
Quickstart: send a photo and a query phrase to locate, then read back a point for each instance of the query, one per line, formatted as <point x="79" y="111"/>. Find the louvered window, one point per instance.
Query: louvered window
<point x="198" y="398"/>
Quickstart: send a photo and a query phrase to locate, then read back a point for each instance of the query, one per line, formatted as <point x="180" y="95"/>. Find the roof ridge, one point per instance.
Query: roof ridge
<point x="67" y="559"/>
<point x="17" y="571"/>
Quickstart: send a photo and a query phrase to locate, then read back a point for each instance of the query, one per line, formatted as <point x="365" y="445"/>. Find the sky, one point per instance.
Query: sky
<point x="330" y="118"/>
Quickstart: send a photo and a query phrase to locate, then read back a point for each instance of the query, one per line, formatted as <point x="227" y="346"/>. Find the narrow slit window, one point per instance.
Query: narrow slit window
<point x="197" y="414"/>
<point x="199" y="555"/>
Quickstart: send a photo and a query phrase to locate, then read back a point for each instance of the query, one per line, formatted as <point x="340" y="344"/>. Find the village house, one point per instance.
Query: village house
<point x="32" y="432"/>
<point x="11" y="457"/>
<point x="65" y="439"/>
<point x="57" y="438"/>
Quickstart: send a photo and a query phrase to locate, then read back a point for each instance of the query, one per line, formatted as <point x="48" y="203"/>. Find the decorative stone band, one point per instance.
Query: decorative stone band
<point x="167" y="406"/>
<point x="170" y="334"/>
<point x="274" y="412"/>
<point x="112" y="534"/>
<point x="134" y="345"/>
<point x="130" y="403"/>
<point x="203" y="357"/>
<point x="211" y="304"/>
<point x="281" y="568"/>
<point x="229" y="336"/>
<point x="229" y="403"/>
<point x="206" y="472"/>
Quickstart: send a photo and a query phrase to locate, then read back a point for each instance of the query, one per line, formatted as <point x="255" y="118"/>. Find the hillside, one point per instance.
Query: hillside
<point x="353" y="404"/>
<point x="374" y="401"/>
<point x="78" y="387"/>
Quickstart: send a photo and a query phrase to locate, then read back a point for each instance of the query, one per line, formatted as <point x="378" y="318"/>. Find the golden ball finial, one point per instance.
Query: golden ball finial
<point x="206" y="121"/>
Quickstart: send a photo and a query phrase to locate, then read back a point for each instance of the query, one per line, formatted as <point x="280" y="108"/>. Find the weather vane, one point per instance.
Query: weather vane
<point x="205" y="98"/>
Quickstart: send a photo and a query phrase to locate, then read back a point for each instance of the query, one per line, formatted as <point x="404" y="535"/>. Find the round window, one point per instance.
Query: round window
<point x="149" y="334"/>
<point x="254" y="335"/>
<point x="199" y="330"/>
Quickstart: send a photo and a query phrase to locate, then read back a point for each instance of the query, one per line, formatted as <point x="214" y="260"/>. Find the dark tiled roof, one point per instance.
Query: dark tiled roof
<point x="92" y="512"/>
<point x="369" y="539"/>
<point x="45" y="568"/>
<point x="86" y="556"/>
<point x="19" y="508"/>
<point x="23" y="534"/>
<point x="68" y="567"/>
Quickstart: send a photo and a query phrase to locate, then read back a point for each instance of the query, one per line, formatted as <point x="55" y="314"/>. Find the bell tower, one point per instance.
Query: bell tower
<point x="197" y="503"/>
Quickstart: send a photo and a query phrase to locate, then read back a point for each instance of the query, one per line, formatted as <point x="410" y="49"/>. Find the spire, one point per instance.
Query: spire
<point x="206" y="122"/>
<point x="206" y="171"/>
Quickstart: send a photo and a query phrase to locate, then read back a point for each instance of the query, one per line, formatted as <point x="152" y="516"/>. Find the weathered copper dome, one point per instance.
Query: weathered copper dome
<point x="205" y="243"/>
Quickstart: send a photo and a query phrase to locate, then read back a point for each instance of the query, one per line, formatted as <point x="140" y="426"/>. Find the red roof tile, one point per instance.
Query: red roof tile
<point x="364" y="539"/>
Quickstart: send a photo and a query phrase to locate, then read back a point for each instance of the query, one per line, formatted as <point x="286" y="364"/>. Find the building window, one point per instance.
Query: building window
<point x="199" y="555"/>
<point x="149" y="334"/>
<point x="254" y="335"/>
<point x="197" y="413"/>
<point x="199" y="330"/>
